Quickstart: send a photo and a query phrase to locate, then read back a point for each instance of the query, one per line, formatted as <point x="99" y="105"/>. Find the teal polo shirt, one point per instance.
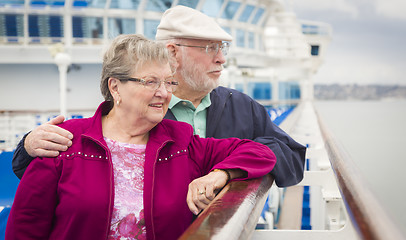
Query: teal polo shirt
<point x="185" y="111"/>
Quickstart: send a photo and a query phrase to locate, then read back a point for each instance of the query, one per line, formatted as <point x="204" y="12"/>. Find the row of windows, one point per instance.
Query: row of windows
<point x="51" y="26"/>
<point x="310" y="29"/>
<point x="263" y="90"/>
<point x="249" y="14"/>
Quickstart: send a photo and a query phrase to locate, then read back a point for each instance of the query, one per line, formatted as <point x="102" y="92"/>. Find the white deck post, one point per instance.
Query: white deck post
<point x="62" y="60"/>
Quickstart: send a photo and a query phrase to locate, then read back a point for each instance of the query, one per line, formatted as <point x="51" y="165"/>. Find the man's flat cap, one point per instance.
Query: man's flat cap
<point x="185" y="22"/>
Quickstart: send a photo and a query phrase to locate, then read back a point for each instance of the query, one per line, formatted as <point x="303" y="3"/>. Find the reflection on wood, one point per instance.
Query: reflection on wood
<point x="234" y="213"/>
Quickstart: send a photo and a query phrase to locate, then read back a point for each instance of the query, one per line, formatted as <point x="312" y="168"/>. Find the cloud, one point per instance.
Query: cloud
<point x="344" y="6"/>
<point x="347" y="68"/>
<point x="391" y="8"/>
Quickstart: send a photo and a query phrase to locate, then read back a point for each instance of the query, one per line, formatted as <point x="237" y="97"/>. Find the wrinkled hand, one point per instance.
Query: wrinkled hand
<point x="48" y="140"/>
<point x="203" y="190"/>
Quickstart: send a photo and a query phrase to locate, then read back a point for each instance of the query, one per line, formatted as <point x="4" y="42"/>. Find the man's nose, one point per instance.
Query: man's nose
<point x="220" y="57"/>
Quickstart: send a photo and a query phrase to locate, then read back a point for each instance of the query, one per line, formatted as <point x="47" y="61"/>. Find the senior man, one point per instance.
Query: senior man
<point x="197" y="45"/>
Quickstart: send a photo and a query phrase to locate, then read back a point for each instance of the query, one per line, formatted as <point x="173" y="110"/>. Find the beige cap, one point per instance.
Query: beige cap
<point x="185" y="22"/>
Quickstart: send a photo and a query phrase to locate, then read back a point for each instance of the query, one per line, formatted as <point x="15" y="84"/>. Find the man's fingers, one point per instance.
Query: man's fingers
<point x="46" y="153"/>
<point x="52" y="129"/>
<point x="58" y="137"/>
<point x="52" y="146"/>
<point x="47" y="137"/>
<point x="57" y="120"/>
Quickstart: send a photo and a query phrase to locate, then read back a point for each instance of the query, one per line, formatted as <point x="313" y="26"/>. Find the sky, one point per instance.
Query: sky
<point x="368" y="43"/>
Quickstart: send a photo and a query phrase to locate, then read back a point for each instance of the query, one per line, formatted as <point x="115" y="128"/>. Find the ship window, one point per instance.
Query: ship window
<point x="130" y="4"/>
<point x="12" y="2"/>
<point x="158" y="5"/>
<point x="94" y="3"/>
<point x="240" y="38"/>
<point x="289" y="90"/>
<point x="79" y="3"/>
<point x="150" y="27"/>
<point x="12" y="26"/>
<point x="245" y="15"/>
<point x="262" y="90"/>
<point x="121" y="26"/>
<point x="87" y="27"/>
<point x="230" y="10"/>
<point x="258" y="15"/>
<point x="212" y="7"/>
<point x="45" y="26"/>
<point x="38" y="4"/>
<point x="251" y="40"/>
<point x="58" y="3"/>
<point x="309" y="29"/>
<point x="188" y="3"/>
<point x="314" y="50"/>
<point x="55" y="27"/>
<point x="41" y="3"/>
<point x="33" y="26"/>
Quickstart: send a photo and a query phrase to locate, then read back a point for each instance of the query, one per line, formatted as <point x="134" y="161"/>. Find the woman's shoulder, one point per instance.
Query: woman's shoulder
<point x="76" y="125"/>
<point x="176" y="125"/>
<point x="176" y="128"/>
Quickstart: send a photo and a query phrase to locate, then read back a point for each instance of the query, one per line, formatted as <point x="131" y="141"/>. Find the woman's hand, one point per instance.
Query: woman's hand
<point x="203" y="190"/>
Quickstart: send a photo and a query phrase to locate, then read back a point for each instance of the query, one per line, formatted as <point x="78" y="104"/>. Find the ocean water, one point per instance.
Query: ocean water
<point x="374" y="135"/>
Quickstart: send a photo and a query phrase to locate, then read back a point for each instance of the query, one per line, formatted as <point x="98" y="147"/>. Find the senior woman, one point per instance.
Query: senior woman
<point x="129" y="174"/>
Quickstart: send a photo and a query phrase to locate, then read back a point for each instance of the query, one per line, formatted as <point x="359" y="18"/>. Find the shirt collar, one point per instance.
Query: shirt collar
<point x="206" y="102"/>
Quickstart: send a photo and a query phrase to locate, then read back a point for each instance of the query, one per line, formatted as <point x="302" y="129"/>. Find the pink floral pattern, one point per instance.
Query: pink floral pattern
<point x="128" y="215"/>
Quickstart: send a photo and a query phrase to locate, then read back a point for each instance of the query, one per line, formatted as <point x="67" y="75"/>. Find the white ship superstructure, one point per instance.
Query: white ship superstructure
<point x="50" y="62"/>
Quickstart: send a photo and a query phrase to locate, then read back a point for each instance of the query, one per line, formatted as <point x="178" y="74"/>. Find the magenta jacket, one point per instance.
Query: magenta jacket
<point x="72" y="196"/>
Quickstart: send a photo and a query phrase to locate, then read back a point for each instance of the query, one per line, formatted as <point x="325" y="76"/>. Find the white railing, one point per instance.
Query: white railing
<point x="14" y="125"/>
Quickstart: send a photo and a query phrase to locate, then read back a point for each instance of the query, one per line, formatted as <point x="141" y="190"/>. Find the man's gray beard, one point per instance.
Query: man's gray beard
<point x="194" y="77"/>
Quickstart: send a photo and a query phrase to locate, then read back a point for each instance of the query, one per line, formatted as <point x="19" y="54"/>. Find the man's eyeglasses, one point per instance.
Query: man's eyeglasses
<point x="154" y="83"/>
<point x="212" y="48"/>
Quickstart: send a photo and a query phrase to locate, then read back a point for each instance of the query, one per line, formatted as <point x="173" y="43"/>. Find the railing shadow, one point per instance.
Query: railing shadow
<point x="234" y="212"/>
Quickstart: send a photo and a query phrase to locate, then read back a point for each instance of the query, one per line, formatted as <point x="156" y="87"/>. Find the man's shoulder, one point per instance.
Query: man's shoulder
<point x="224" y="93"/>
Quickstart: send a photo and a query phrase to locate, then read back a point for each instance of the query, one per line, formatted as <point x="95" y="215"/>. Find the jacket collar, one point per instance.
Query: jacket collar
<point x="219" y="96"/>
<point x="96" y="130"/>
<point x="158" y="134"/>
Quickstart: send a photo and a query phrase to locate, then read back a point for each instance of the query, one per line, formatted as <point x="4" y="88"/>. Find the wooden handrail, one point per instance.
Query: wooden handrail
<point x="368" y="216"/>
<point x="234" y="213"/>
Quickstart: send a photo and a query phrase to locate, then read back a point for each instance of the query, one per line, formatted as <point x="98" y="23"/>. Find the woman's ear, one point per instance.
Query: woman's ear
<point x="113" y="84"/>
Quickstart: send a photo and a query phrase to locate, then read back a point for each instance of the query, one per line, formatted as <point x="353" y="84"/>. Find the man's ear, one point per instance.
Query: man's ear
<point x="174" y="56"/>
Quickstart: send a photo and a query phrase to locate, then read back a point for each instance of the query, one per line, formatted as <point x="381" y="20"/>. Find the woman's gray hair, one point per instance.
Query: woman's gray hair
<point x="125" y="55"/>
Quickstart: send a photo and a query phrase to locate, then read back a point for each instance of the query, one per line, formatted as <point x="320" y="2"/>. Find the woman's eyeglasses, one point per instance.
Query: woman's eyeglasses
<point x="154" y="83"/>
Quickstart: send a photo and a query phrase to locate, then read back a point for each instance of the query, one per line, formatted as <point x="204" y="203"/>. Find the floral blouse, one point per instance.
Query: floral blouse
<point x="128" y="215"/>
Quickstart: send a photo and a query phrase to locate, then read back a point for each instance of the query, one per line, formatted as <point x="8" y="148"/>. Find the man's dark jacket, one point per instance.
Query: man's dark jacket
<point x="233" y="114"/>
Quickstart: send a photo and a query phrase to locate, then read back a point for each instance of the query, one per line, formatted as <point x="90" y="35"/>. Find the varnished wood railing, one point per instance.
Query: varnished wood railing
<point x="234" y="212"/>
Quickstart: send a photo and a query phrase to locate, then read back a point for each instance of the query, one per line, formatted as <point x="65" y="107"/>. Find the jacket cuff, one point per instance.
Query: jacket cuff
<point x="21" y="159"/>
